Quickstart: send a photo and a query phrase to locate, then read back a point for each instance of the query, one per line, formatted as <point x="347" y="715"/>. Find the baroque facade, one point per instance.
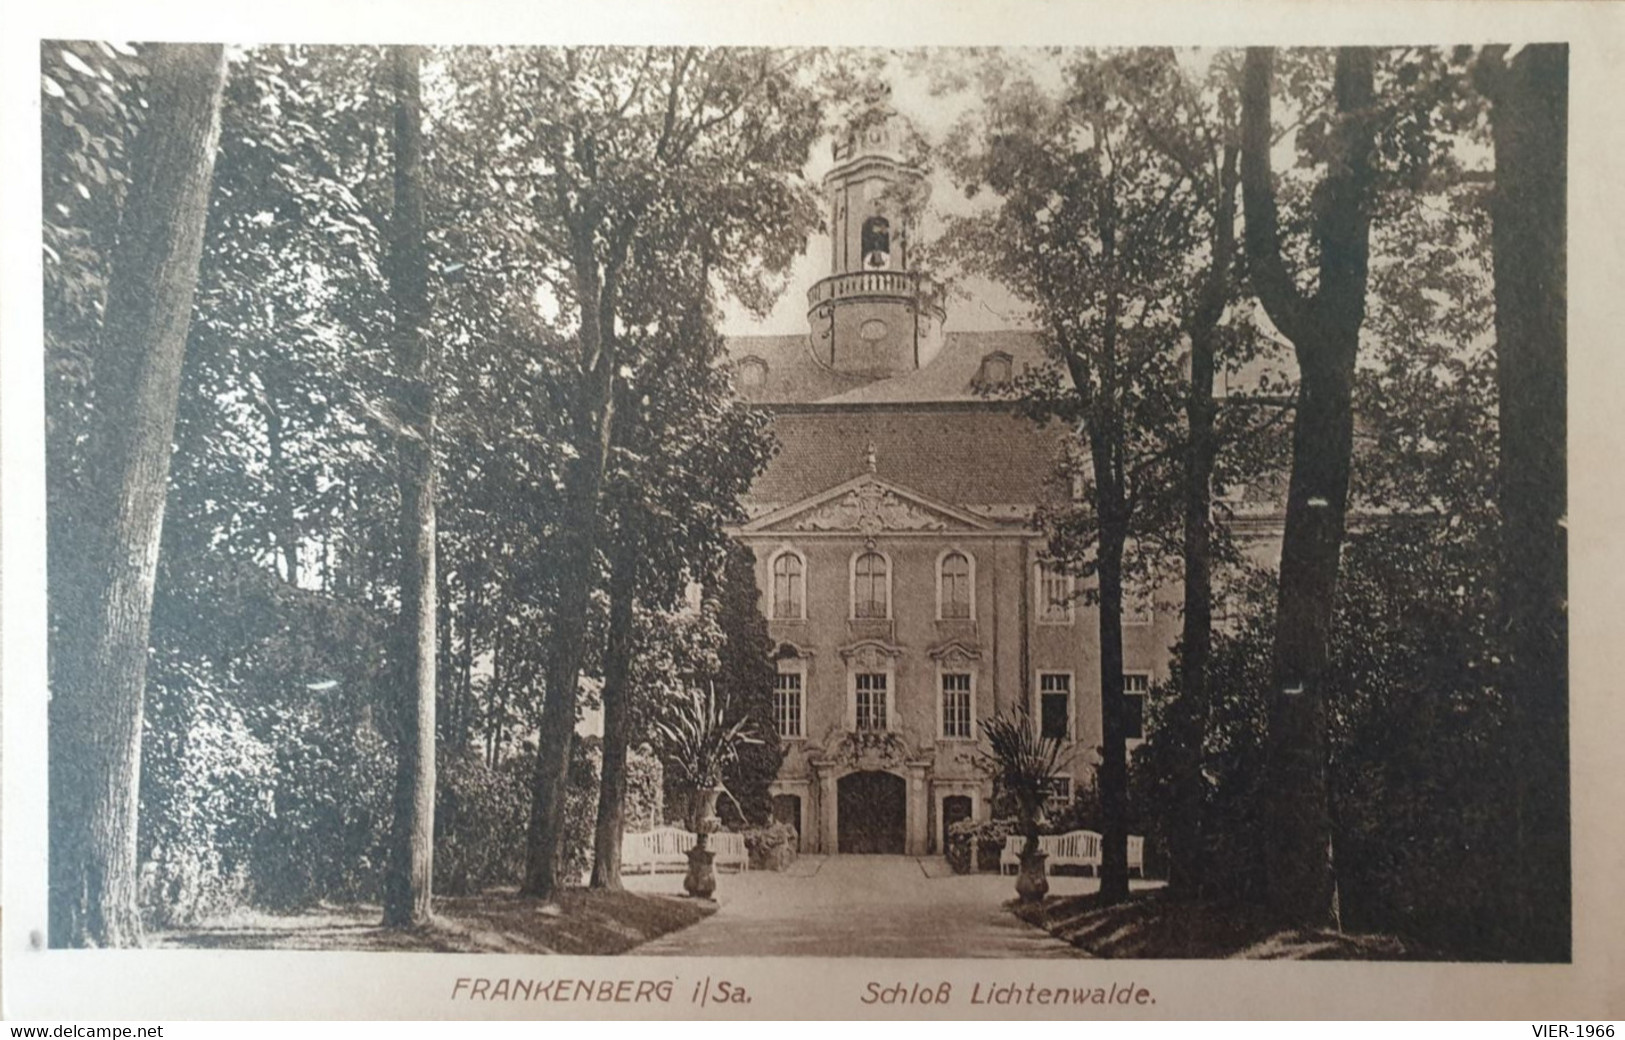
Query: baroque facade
<point x="899" y="567"/>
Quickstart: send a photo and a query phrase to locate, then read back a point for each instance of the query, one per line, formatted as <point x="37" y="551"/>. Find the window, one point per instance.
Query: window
<point x="787" y="704"/>
<point x="1136" y="687"/>
<point x="1055" y="705"/>
<point x="995" y="369"/>
<point x="871" y="701"/>
<point x="956" y="706"/>
<point x="876" y="242"/>
<point x="953" y="589"/>
<point x="752" y="372"/>
<point x="789" y="587"/>
<point x="1060" y="793"/>
<point x="1055" y="594"/>
<point x="870" y="587"/>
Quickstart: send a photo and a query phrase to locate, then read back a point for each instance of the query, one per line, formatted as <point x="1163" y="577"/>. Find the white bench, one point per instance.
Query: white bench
<point x="1072" y="849"/>
<point x="666" y="848"/>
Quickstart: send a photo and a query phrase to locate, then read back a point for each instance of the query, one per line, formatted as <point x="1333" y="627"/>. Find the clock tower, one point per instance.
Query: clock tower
<point x="874" y="314"/>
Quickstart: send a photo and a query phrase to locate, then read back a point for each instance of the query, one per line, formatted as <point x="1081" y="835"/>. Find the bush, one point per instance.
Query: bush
<point x="327" y="836"/>
<point x="206" y="785"/>
<point x="772" y="847"/>
<point x="974" y="846"/>
<point x="481" y="814"/>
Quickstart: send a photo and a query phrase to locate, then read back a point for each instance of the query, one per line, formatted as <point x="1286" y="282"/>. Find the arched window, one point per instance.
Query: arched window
<point x="995" y="369"/>
<point x="876" y="242"/>
<point x="870" y="587"/>
<point x="789" y="587"/>
<point x="953" y="588"/>
<point x="752" y="372"/>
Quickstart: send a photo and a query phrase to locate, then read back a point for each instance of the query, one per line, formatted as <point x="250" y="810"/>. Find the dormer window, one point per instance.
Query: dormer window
<point x="876" y="242"/>
<point x="752" y="372"/>
<point x="995" y="370"/>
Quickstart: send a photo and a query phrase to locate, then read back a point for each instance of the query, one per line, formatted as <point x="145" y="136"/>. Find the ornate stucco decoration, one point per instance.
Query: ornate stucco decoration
<point x="867" y="749"/>
<point x="870" y="655"/>
<point x="869" y="509"/>
<point x="954" y="654"/>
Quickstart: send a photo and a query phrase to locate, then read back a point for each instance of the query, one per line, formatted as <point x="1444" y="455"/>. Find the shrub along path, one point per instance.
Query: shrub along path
<point x="1153" y="925"/>
<point x="592" y="922"/>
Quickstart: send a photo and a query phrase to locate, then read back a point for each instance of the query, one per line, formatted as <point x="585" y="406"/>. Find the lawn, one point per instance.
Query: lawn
<point x="589" y="922"/>
<point x="1154" y="925"/>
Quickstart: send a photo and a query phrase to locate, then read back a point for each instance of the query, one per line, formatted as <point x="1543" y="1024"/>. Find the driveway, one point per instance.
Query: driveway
<point x="860" y="906"/>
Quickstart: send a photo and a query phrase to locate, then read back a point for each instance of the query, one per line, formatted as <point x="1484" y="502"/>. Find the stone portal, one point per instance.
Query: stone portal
<point x="872" y="812"/>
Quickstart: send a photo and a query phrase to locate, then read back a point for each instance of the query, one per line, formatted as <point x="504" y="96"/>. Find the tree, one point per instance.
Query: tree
<point x="1529" y="121"/>
<point x="1324" y="328"/>
<point x="1095" y="228"/>
<point x="677" y="477"/>
<point x="646" y="158"/>
<point x="1187" y="849"/>
<point x="409" y="889"/>
<point x="745" y="676"/>
<point x="96" y="706"/>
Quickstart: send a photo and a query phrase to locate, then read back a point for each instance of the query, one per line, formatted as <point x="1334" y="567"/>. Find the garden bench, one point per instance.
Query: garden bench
<point x="666" y="848"/>
<point x="1072" y="849"/>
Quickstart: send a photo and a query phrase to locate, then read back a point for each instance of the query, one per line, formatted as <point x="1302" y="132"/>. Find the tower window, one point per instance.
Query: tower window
<point x="876" y="242"/>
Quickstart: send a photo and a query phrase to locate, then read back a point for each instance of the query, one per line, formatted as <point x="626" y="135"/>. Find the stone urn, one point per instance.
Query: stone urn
<point x="701" y="880"/>
<point x="1032" y="884"/>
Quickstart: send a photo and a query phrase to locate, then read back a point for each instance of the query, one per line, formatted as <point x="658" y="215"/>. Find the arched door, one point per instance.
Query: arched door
<point x="872" y="813"/>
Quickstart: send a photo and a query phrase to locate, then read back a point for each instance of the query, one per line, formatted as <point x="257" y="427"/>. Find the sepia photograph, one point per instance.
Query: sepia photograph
<point x="695" y="500"/>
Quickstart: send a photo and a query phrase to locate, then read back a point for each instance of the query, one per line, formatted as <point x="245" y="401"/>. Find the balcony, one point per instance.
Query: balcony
<point x="860" y="284"/>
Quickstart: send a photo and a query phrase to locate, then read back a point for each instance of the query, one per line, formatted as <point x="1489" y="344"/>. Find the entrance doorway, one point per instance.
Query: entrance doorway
<point x="955" y="809"/>
<point x="787" y="809"/>
<point x="872" y="813"/>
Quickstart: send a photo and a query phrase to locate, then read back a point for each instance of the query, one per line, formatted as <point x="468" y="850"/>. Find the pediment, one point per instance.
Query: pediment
<point x="867" y="506"/>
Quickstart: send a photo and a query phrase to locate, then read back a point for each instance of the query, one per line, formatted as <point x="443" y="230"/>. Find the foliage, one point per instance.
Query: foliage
<point x="772" y="847"/>
<point x="975" y="846"/>
<point x="700" y="738"/>
<point x="1023" y="764"/>
<point x="745" y="675"/>
<point x="479" y="821"/>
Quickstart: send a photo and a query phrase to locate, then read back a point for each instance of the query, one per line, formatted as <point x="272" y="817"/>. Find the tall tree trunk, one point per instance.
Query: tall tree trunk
<point x="1114" y="737"/>
<point x="617" y="696"/>
<point x="1529" y="119"/>
<point x="1187" y="833"/>
<point x="96" y="703"/>
<point x="1325" y="331"/>
<point x="596" y="289"/>
<point x="408" y="888"/>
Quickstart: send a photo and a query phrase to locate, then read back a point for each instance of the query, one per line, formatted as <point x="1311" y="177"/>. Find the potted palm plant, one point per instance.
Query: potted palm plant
<point x="698" y="744"/>
<point x="1024" y="764"/>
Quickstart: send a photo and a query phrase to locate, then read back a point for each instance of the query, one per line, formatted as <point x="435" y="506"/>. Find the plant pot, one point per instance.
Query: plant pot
<point x="701" y="880"/>
<point x="1031" y="883"/>
<point x="703" y="818"/>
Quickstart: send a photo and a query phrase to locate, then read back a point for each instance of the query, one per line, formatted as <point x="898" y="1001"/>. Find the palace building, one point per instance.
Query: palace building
<point x="900" y="570"/>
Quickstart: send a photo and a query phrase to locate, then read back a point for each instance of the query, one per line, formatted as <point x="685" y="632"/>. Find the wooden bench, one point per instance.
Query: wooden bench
<point x="666" y="848"/>
<point x="1072" y="849"/>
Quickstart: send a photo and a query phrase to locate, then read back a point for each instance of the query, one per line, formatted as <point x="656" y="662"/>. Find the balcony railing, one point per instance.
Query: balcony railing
<point x="862" y="283"/>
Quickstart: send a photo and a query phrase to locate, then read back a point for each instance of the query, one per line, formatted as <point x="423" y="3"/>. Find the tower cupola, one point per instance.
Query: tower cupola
<point x="875" y="314"/>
